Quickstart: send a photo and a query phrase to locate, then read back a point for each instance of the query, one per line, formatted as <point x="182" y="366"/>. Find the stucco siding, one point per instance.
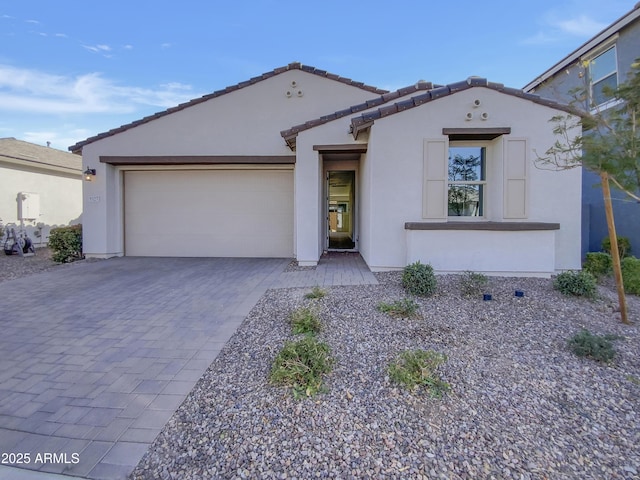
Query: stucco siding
<point x="60" y="198"/>
<point x="245" y="122"/>
<point x="397" y="171"/>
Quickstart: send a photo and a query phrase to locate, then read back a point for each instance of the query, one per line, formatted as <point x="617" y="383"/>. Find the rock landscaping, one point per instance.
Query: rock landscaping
<point x="520" y="403"/>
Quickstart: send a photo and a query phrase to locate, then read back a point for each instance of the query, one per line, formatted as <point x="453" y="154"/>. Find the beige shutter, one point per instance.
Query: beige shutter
<point x="434" y="188"/>
<point x="515" y="178"/>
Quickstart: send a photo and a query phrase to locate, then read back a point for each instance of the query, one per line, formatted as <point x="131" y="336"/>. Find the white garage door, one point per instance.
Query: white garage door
<point x="209" y="213"/>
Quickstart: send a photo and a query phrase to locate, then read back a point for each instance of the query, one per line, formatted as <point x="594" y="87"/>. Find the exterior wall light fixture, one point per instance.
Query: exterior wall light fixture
<point x="89" y="173"/>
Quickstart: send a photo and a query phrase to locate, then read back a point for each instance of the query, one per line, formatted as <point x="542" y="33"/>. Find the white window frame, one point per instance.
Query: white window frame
<point x="592" y="57"/>
<point x="484" y="183"/>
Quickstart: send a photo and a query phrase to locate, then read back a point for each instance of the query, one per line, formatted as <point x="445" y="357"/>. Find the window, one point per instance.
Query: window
<point x="603" y="74"/>
<point x="467" y="181"/>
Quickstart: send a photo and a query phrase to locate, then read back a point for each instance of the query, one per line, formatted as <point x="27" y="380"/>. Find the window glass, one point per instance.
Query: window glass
<point x="603" y="75"/>
<point x="467" y="178"/>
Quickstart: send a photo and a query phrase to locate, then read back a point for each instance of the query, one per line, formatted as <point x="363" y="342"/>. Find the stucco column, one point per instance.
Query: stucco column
<point x="307" y="204"/>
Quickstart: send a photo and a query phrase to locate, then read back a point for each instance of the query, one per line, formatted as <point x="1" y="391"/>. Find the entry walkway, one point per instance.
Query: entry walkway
<point x="95" y="357"/>
<point x="334" y="268"/>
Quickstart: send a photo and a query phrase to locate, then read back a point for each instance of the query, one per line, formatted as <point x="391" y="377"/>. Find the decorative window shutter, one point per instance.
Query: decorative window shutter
<point x="434" y="187"/>
<point x="515" y="178"/>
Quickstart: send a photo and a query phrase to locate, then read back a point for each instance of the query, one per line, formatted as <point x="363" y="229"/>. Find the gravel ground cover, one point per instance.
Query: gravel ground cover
<point x="521" y="404"/>
<point x="15" y="266"/>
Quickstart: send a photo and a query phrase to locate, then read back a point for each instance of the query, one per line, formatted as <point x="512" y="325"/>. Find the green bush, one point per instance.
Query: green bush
<point x="624" y="246"/>
<point x="585" y="344"/>
<point x="598" y="264"/>
<point x="416" y="368"/>
<point x="405" y="308"/>
<point x="631" y="275"/>
<point x="66" y="243"/>
<point x="305" y="320"/>
<point x="316" y="292"/>
<point x="419" y="279"/>
<point x="301" y="366"/>
<point x="576" y="283"/>
<point x="472" y="283"/>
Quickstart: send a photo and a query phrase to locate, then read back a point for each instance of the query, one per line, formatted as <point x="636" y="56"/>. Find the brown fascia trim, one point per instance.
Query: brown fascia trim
<point x="365" y="120"/>
<point x="342" y="148"/>
<point x="475" y="133"/>
<point x="200" y="160"/>
<point x="491" y="226"/>
<point x="277" y="71"/>
<point x="290" y="134"/>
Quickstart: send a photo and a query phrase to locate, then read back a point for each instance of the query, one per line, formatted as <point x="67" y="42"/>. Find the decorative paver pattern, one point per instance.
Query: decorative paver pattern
<point x="96" y="357"/>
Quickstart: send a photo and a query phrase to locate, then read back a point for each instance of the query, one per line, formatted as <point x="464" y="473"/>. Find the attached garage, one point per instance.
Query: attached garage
<point x="227" y="211"/>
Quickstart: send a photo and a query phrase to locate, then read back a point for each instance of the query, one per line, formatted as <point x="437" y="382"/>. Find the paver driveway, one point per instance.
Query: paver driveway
<point x="95" y="357"/>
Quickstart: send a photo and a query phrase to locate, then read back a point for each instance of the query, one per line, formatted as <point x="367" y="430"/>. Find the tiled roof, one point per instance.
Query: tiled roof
<point x="290" y="134"/>
<point x="29" y="153"/>
<point x="292" y="66"/>
<point x="365" y="120"/>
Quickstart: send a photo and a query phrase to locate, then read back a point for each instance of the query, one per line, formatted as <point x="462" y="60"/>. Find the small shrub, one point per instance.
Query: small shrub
<point x="472" y="283"/>
<point x="66" y="243"/>
<point x="301" y="366"/>
<point x="631" y="275"/>
<point x="305" y="320"/>
<point x="316" y="292"/>
<point x="585" y="344"/>
<point x="598" y="264"/>
<point x="417" y="368"/>
<point x="405" y="308"/>
<point x="624" y="246"/>
<point x="577" y="284"/>
<point x="419" y="279"/>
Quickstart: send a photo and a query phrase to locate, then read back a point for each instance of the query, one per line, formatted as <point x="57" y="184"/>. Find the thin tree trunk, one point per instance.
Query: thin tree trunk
<point x="615" y="254"/>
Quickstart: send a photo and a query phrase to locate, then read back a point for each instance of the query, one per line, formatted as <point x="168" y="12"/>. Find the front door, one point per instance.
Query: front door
<point x="341" y="206"/>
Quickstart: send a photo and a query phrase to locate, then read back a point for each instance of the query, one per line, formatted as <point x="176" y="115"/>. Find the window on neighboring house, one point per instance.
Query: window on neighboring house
<point x="467" y="181"/>
<point x="603" y="73"/>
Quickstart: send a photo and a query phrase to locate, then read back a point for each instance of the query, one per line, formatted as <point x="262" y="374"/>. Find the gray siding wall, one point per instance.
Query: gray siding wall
<point x="626" y="211"/>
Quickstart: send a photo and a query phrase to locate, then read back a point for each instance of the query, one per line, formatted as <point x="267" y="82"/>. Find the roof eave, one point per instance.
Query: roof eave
<point x="611" y="30"/>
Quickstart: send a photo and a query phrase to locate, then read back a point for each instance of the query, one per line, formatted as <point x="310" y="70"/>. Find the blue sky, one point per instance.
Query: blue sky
<point x="70" y="69"/>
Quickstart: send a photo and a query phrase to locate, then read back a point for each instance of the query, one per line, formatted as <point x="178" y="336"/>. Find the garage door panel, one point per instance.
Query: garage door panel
<point x="227" y="213"/>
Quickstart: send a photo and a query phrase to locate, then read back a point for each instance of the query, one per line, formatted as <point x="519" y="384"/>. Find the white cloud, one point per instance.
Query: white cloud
<point x="581" y="26"/>
<point x="61" y="35"/>
<point x="35" y="22"/>
<point x="128" y="47"/>
<point x="32" y="91"/>
<point x="59" y="139"/>
<point x="97" y="48"/>
<point x="166" y="45"/>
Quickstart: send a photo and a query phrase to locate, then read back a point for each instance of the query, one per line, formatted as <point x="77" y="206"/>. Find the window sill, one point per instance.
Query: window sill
<point x="492" y="226"/>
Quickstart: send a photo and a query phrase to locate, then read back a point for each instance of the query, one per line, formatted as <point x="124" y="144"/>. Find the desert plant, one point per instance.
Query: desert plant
<point x="405" y="308"/>
<point x="624" y="246"/>
<point x="598" y="264"/>
<point x="301" y="365"/>
<point x="598" y="347"/>
<point x="631" y="275"/>
<point x="316" y="292"/>
<point x="66" y="243"/>
<point x="417" y="368"/>
<point x="472" y="283"/>
<point x="305" y="320"/>
<point x="576" y="283"/>
<point x="419" y="279"/>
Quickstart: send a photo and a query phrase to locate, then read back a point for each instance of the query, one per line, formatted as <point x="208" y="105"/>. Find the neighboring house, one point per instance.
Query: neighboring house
<point x="40" y="188"/>
<point x="604" y="60"/>
<point x="299" y="161"/>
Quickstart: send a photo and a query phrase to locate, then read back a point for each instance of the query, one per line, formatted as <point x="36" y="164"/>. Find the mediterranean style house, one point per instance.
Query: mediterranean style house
<point x="299" y="161"/>
<point x="605" y="60"/>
